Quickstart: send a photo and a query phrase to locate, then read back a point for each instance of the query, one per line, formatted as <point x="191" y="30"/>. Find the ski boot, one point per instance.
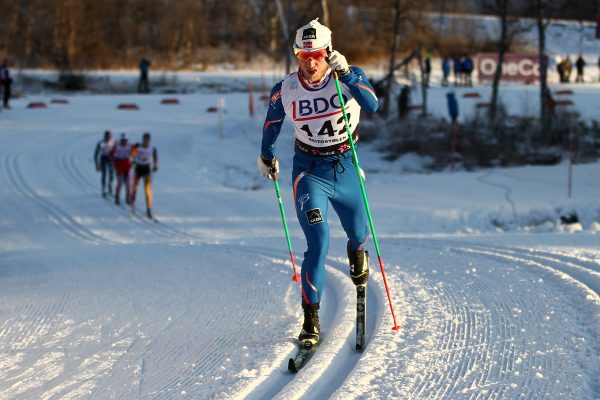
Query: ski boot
<point x="104" y="193"/>
<point x="117" y="201"/>
<point x="310" y="329"/>
<point x="359" y="266"/>
<point x="110" y="190"/>
<point x="149" y="213"/>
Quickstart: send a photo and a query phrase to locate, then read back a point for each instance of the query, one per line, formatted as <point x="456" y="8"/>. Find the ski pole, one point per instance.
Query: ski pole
<point x="296" y="277"/>
<point x="364" y="196"/>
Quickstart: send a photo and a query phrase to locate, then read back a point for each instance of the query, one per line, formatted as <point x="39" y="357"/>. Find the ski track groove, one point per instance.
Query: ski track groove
<point x="205" y="360"/>
<point x="59" y="216"/>
<point x="553" y="264"/>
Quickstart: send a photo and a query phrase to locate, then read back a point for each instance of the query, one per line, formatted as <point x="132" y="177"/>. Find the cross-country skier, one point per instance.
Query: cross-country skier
<point x="145" y="159"/>
<point x="121" y="155"/>
<point x="104" y="162"/>
<point x="323" y="171"/>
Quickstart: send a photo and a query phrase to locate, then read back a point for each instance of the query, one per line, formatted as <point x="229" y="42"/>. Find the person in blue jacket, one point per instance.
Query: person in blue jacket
<point x="457" y="72"/>
<point x="467" y="69"/>
<point x="452" y="106"/>
<point x="445" y="71"/>
<point x="323" y="171"/>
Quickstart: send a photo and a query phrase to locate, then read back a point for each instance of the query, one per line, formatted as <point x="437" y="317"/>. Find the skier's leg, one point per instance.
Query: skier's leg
<point x="147" y="186"/>
<point x="103" y="166"/>
<point x="118" y="190"/>
<point x="127" y="188"/>
<point x="311" y="209"/>
<point x="148" y="190"/>
<point x="136" y="179"/>
<point x="349" y="206"/>
<point x="111" y="173"/>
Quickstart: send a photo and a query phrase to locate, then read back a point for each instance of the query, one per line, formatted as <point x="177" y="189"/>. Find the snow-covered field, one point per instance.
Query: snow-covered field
<point x="497" y="300"/>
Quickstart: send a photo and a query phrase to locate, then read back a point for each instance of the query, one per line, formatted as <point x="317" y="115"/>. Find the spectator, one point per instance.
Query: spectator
<point x="452" y="106"/>
<point x="560" y="69"/>
<point x="427" y="70"/>
<point x="457" y="71"/>
<point x="403" y="101"/>
<point x="467" y="68"/>
<point x="143" y="84"/>
<point x="6" y="81"/>
<point x="445" y="71"/>
<point x="568" y="68"/>
<point x="580" y="64"/>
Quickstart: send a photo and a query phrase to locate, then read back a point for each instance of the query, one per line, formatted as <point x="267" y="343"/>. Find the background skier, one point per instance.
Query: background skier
<point x="143" y="157"/>
<point x="121" y="154"/>
<point x="104" y="162"/>
<point x="323" y="171"/>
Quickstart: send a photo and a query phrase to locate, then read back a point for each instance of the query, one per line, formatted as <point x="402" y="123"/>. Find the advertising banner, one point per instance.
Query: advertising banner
<point x="516" y="67"/>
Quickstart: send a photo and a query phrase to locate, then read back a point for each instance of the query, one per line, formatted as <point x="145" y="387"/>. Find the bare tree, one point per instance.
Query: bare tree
<point x="543" y="60"/>
<point x="510" y="28"/>
<point x="325" y="8"/>
<point x="395" y="38"/>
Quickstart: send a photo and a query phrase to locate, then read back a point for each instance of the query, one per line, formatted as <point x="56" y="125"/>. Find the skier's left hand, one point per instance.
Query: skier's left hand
<point x="338" y="62"/>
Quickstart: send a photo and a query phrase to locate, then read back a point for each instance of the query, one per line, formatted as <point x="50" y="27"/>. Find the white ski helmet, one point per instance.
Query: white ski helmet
<point x="312" y="36"/>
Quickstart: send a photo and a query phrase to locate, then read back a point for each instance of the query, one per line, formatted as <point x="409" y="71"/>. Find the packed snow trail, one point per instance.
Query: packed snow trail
<point x="95" y="303"/>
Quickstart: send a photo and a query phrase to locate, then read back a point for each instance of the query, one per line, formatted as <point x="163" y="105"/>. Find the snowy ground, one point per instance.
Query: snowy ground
<point x="497" y="300"/>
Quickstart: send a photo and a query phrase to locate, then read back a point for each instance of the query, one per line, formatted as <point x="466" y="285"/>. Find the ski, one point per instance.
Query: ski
<point x="302" y="357"/>
<point x="361" y="316"/>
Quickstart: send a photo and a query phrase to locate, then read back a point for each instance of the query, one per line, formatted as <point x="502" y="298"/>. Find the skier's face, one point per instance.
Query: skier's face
<point x="313" y="68"/>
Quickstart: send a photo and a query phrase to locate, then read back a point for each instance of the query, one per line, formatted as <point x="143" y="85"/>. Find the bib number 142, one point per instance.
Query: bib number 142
<point x="327" y="128"/>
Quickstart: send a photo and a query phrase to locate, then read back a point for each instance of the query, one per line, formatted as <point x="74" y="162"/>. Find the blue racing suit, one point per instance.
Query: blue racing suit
<point x="323" y="169"/>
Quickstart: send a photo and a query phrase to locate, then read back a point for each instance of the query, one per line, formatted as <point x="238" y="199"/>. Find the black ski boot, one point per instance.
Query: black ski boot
<point x="310" y="329"/>
<point x="359" y="266"/>
<point x="117" y="201"/>
<point x="149" y="213"/>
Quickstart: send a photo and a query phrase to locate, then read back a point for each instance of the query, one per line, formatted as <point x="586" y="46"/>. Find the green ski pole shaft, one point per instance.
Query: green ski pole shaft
<point x="364" y="196"/>
<point x="296" y="277"/>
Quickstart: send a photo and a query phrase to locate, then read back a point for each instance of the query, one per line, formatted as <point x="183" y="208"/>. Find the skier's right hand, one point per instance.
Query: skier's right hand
<point x="267" y="168"/>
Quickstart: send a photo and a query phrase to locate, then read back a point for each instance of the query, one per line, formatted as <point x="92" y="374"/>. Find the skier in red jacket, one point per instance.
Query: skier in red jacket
<point x="121" y="154"/>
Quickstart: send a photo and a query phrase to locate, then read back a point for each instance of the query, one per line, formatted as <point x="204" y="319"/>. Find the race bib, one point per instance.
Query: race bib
<point x="316" y="115"/>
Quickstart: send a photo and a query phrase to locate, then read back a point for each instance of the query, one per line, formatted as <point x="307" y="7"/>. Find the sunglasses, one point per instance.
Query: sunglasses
<point x="317" y="55"/>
